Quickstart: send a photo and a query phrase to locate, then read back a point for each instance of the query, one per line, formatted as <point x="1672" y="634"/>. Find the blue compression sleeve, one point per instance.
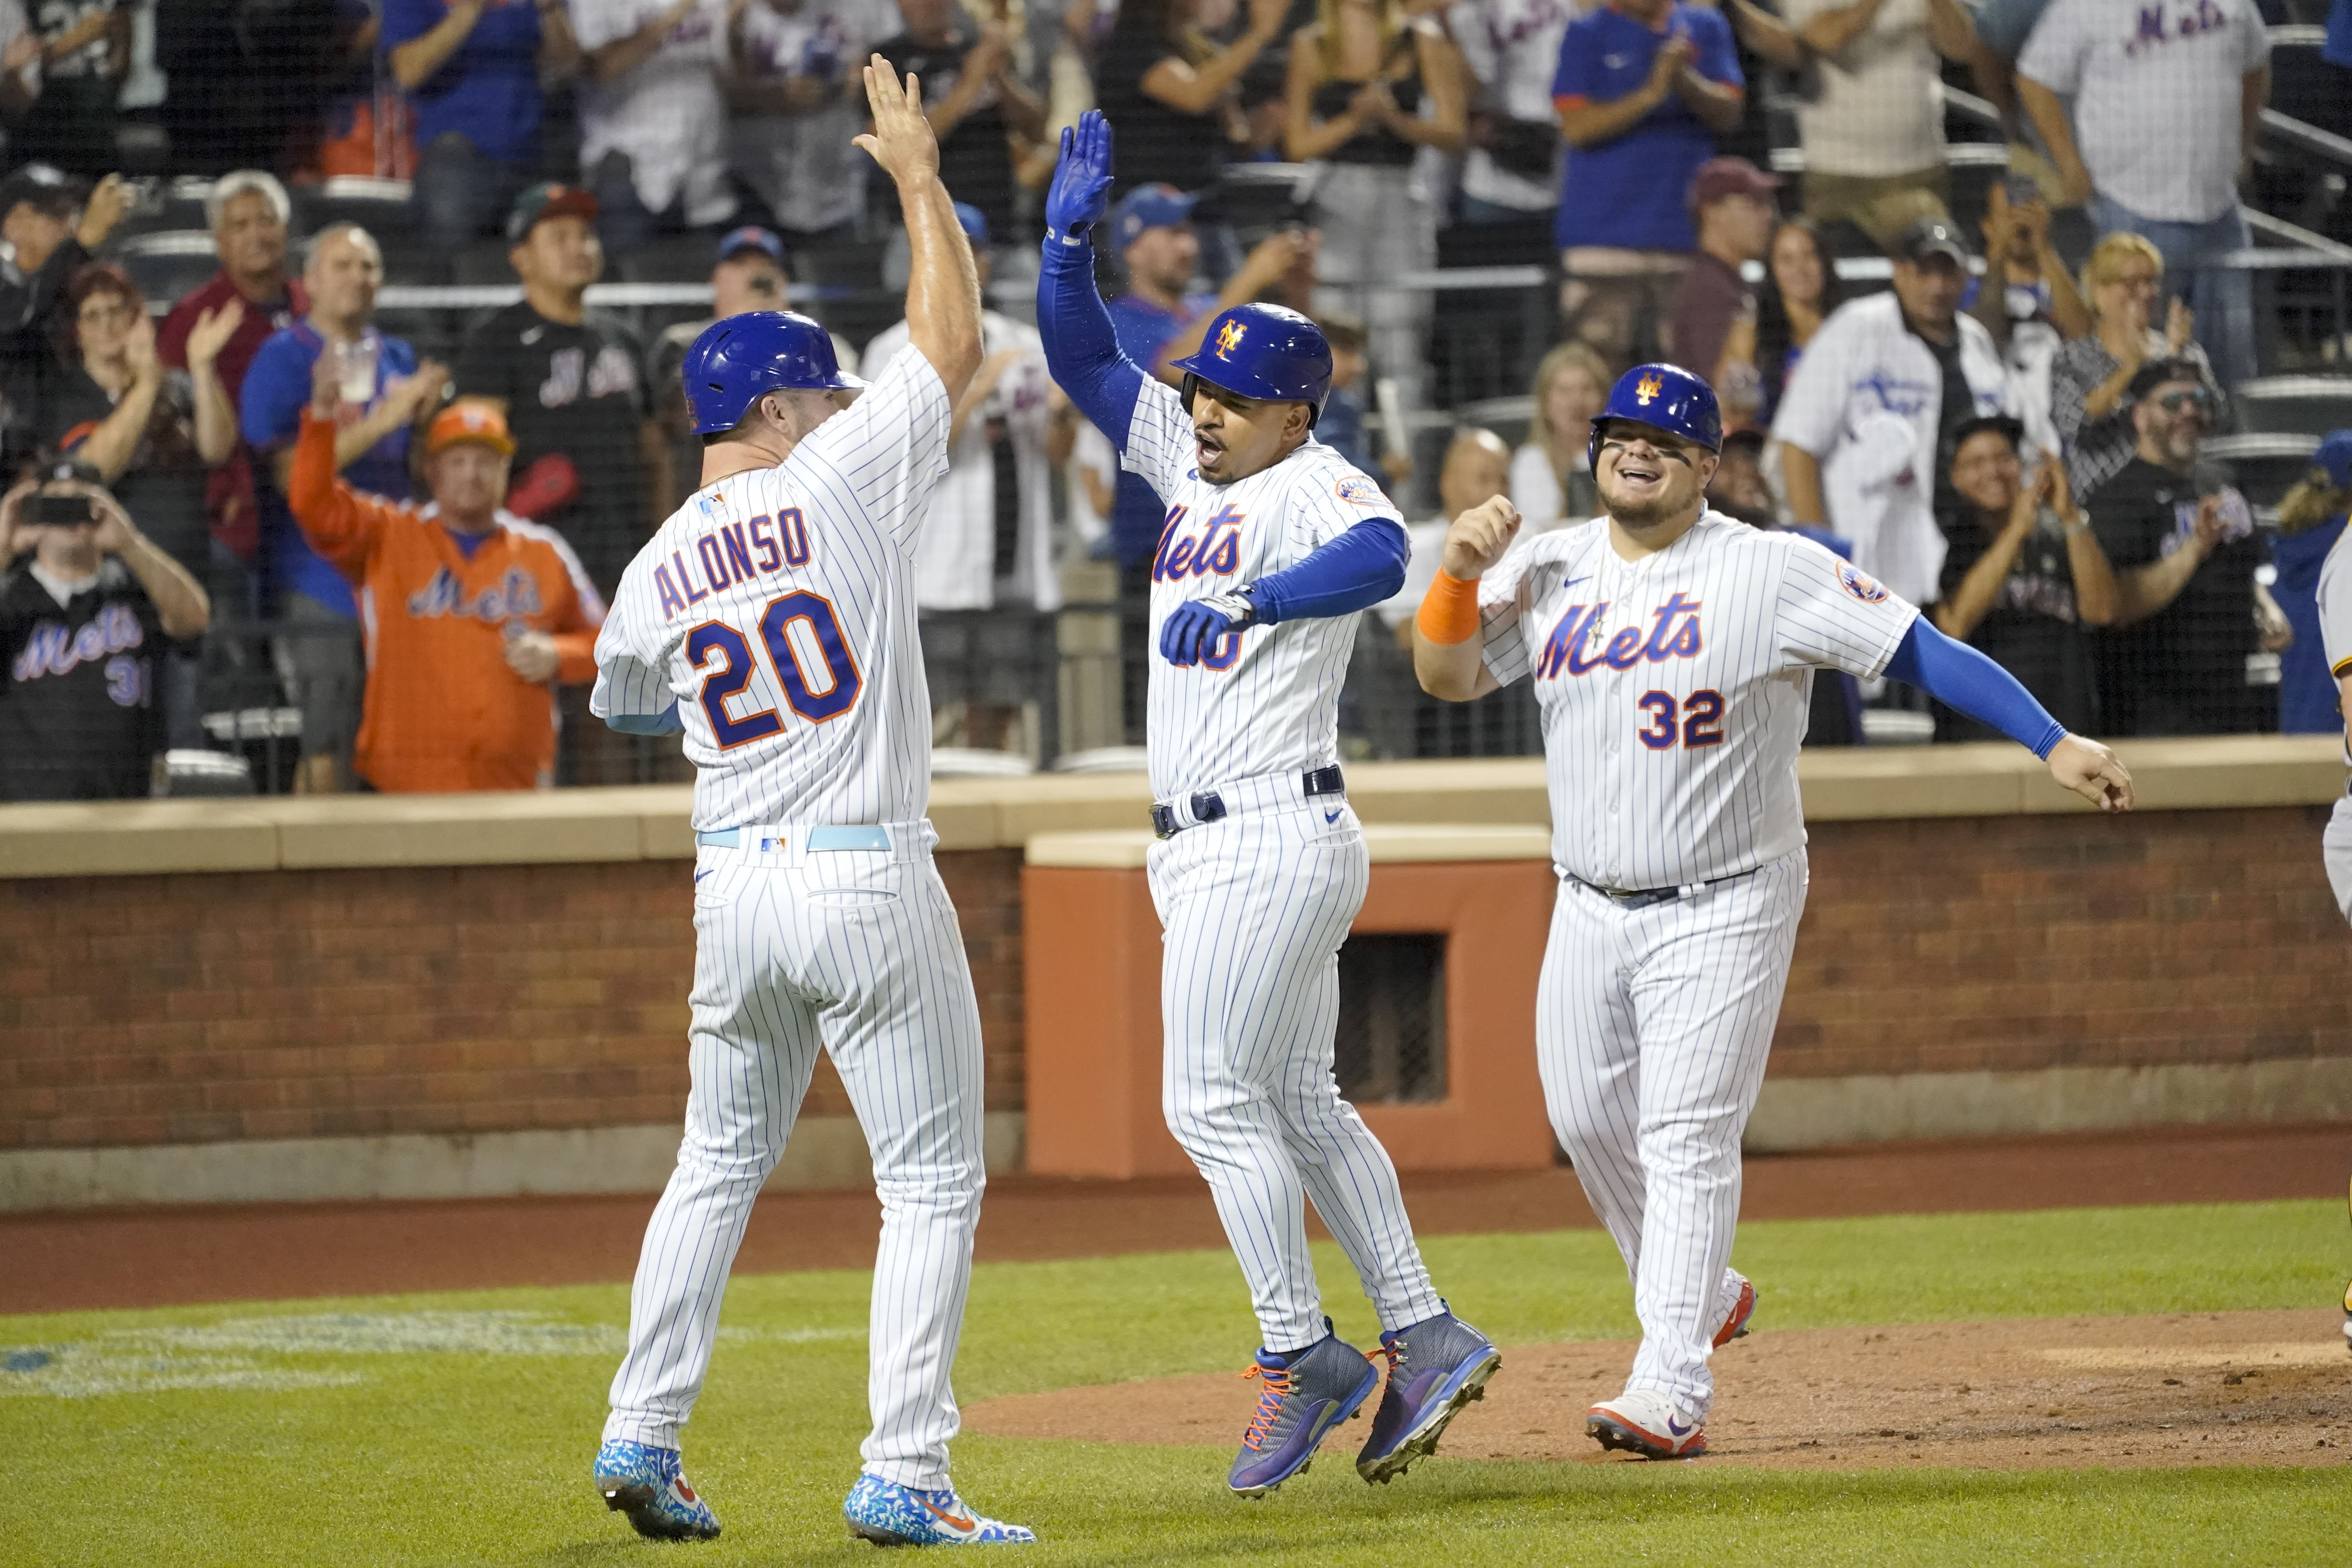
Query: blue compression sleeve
<point x="1962" y="678"/>
<point x="1354" y="572"/>
<point x="666" y="722"/>
<point x="1081" y="349"/>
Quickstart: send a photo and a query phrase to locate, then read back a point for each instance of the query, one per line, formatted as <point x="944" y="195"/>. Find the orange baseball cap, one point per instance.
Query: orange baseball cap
<point x="469" y="420"/>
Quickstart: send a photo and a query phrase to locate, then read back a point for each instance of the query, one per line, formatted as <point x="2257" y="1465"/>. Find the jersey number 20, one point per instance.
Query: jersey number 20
<point x="815" y="700"/>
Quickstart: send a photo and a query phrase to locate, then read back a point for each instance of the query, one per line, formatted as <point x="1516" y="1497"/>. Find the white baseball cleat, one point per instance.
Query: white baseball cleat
<point x="1644" y="1421"/>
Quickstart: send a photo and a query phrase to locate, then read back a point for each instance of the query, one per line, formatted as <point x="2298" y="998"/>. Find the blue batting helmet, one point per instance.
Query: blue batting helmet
<point x="1664" y="397"/>
<point x="1263" y="351"/>
<point x="738" y="359"/>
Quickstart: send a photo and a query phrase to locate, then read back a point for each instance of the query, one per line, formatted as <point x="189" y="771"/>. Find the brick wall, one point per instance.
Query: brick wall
<point x="140" y="1010"/>
<point x="188" y="1009"/>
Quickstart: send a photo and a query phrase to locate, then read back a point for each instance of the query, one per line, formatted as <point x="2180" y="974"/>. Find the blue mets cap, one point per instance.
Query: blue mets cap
<point x="2335" y="458"/>
<point x="751" y="237"/>
<point x="973" y="221"/>
<point x="1664" y="397"/>
<point x="1150" y="206"/>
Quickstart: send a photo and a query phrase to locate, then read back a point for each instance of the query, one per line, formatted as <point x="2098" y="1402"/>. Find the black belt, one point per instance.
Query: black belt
<point x="1210" y="806"/>
<point x="1650" y="898"/>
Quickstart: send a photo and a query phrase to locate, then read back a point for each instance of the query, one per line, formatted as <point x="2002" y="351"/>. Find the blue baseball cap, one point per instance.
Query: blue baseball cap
<point x="1150" y="206"/>
<point x="2335" y="456"/>
<point x="973" y="221"/>
<point x="751" y="237"/>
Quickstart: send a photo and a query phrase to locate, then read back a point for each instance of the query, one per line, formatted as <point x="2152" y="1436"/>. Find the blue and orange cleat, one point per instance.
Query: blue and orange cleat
<point x="1307" y="1393"/>
<point x="1435" y="1368"/>
<point x="888" y="1514"/>
<point x="649" y="1486"/>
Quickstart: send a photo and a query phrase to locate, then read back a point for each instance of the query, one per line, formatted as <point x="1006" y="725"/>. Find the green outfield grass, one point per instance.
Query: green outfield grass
<point x="457" y="1428"/>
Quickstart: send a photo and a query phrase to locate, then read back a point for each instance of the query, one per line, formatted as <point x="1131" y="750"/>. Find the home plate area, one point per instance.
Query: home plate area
<point x="2206" y="1388"/>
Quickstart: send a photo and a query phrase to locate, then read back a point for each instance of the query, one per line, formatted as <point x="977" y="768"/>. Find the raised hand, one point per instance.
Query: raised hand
<point x="1080" y="193"/>
<point x="106" y="207"/>
<point x="2178" y="323"/>
<point x="213" y="331"/>
<point x="2092" y="771"/>
<point x="901" y="140"/>
<point x="15" y="538"/>
<point x="1673" y="57"/>
<point x="1479" y="538"/>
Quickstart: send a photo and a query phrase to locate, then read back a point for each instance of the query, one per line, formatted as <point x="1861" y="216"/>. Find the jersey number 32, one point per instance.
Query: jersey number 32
<point x="807" y="652"/>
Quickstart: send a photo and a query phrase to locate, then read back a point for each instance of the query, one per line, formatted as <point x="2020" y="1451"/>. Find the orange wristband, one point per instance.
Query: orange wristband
<point x="1449" y="611"/>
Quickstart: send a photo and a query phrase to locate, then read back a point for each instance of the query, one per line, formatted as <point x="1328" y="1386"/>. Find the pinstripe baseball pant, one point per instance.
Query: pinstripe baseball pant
<point x="1652" y="1027"/>
<point x="1255" y="907"/>
<point x="857" y="953"/>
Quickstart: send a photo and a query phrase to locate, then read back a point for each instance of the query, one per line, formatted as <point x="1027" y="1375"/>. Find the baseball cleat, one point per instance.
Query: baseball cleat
<point x="1307" y="1393"/>
<point x="649" y="1486"/>
<point x="1743" y="1306"/>
<point x="1435" y="1368"/>
<point x="888" y="1514"/>
<point x="1644" y="1421"/>
<point x="2348" y="1315"/>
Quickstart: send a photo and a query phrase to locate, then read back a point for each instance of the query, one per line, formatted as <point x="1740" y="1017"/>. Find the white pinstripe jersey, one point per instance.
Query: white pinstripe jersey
<point x="1674" y="689"/>
<point x="1272" y="704"/>
<point x="776" y="608"/>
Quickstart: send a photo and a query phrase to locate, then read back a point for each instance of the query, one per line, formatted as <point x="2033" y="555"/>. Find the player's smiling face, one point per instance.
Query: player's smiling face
<point x="1234" y="436"/>
<point x="1647" y="476"/>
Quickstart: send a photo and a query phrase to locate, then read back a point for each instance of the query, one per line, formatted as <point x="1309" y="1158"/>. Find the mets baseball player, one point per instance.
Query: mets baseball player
<point x="1673" y="652"/>
<point x="773" y="618"/>
<point x="1271" y="543"/>
<point x="2334" y="459"/>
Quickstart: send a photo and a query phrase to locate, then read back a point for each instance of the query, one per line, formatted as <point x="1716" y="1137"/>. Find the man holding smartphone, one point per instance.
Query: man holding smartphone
<point x="82" y="623"/>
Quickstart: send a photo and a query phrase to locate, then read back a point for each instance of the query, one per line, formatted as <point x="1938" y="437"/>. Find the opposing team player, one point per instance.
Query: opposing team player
<point x="773" y="618"/>
<point x="1272" y="542"/>
<point x="1672" y="651"/>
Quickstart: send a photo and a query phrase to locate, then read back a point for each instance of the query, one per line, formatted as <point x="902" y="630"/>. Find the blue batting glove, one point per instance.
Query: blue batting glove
<point x="1194" y="629"/>
<point x="1080" y="193"/>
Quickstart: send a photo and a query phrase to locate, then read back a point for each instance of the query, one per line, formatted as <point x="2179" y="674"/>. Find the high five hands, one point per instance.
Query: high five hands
<point x="1080" y="193"/>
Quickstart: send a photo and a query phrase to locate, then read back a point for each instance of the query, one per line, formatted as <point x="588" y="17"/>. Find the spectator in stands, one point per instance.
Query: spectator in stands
<point x="1511" y="48"/>
<point x="51" y="222"/>
<point x="1552" y="474"/>
<point x="2091" y="374"/>
<point x="1873" y="131"/>
<point x="1168" y="91"/>
<point x="385" y="391"/>
<point x="80" y="623"/>
<point x="2310" y="522"/>
<point x="2023" y="576"/>
<point x="749" y="274"/>
<point x="2167" y="126"/>
<point x="1870" y="414"/>
<point x="1800" y="291"/>
<point x="1739" y="489"/>
<point x="973" y="98"/>
<point x="2185" y="551"/>
<point x="1731" y="199"/>
<point x="213" y="333"/>
<point x="1644" y="88"/>
<point x="1477" y="468"/>
<point x="66" y="67"/>
<point x="1370" y="88"/>
<point x="652" y="122"/>
<point x="589" y="459"/>
<point x="984" y="566"/>
<point x="1341" y="427"/>
<point x="2027" y="300"/>
<point x="794" y="83"/>
<point x="478" y="612"/>
<point x="473" y="69"/>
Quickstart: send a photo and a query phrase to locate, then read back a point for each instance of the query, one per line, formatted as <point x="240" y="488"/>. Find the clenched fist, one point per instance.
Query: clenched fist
<point x="1479" y="538"/>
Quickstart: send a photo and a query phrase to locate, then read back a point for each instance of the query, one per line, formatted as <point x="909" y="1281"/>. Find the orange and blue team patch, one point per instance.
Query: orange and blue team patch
<point x="1673" y="634"/>
<point x="1358" y="491"/>
<point x="1860" y="584"/>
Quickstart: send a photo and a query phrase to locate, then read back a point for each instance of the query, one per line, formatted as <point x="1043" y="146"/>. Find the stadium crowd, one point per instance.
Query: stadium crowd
<point x="258" y="489"/>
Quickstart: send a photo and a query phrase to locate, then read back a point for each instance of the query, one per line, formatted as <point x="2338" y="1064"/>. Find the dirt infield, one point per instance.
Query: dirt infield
<point x="2224" y="1388"/>
<point x="167" y="1256"/>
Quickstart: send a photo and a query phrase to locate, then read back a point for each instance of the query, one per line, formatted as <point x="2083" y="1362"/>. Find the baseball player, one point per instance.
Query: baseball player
<point x="772" y="619"/>
<point x="1272" y="542"/>
<point x="2333" y="461"/>
<point x="1673" y="652"/>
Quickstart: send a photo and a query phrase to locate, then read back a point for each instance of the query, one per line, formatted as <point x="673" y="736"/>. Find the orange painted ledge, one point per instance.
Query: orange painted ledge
<point x="1091" y="943"/>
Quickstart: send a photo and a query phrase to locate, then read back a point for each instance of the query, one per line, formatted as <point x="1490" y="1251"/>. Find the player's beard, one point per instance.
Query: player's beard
<point x="1650" y="513"/>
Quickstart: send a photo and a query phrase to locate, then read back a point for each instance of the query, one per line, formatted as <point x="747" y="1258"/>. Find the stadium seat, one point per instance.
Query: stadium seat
<point x="850" y="297"/>
<point x="682" y="259"/>
<point x="167" y="265"/>
<point x="165" y="206"/>
<point x="2266" y="466"/>
<point x="1255" y="199"/>
<point x="482" y="264"/>
<point x="1509" y="418"/>
<point x="373" y="204"/>
<point x="2294" y="404"/>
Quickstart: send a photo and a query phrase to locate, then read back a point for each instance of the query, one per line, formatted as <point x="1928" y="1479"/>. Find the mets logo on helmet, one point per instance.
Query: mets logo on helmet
<point x="1229" y="338"/>
<point x="1861" y="584"/>
<point x="1647" y="389"/>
